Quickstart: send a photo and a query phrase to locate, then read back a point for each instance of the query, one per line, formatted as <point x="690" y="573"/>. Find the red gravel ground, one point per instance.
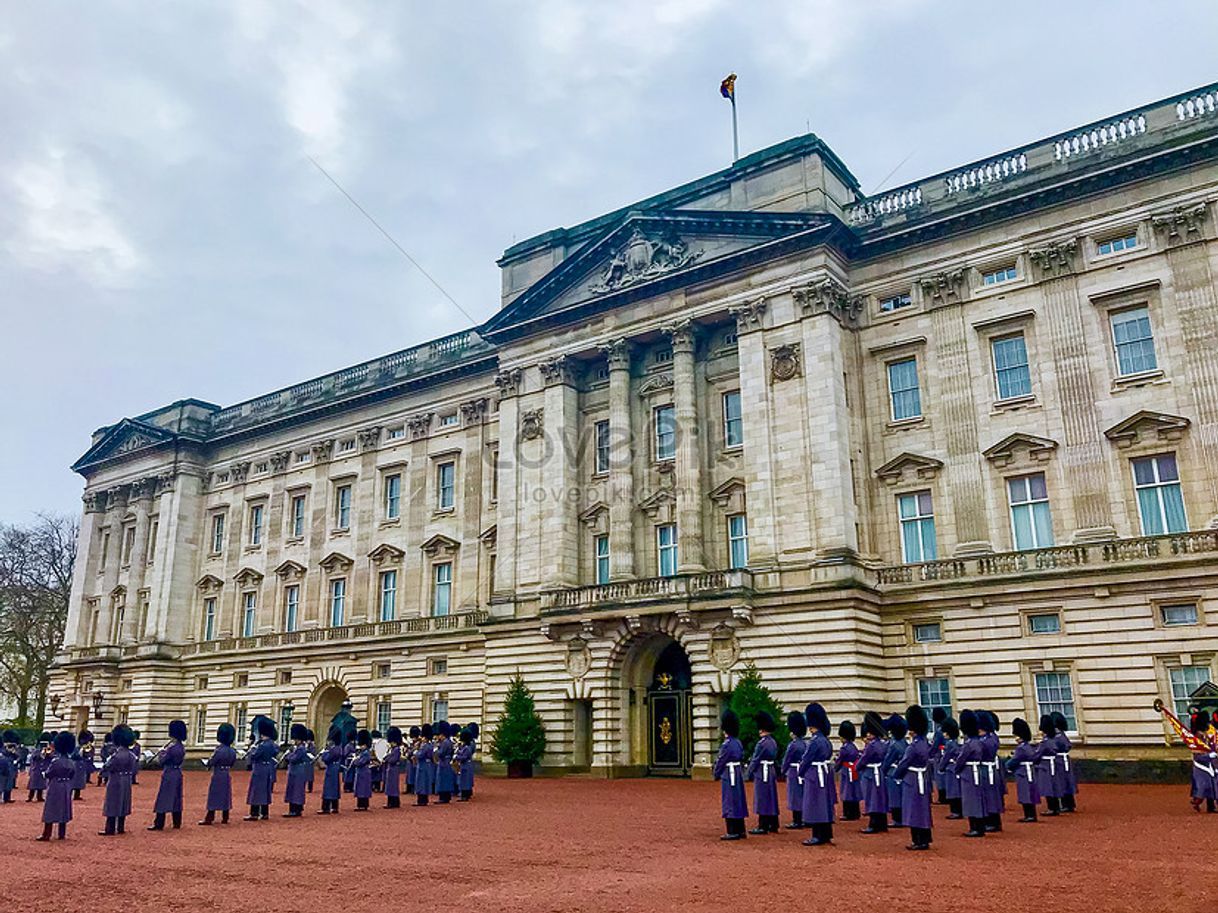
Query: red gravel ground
<point x="594" y="845"/>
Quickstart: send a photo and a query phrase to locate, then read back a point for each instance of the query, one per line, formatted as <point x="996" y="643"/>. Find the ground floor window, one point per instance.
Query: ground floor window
<point x="384" y="715"/>
<point x="1184" y="681"/>
<point x="1055" y="695"/>
<point x="935" y="692"/>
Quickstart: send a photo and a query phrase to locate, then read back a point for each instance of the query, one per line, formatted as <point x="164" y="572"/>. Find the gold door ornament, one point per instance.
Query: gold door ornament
<point x="665" y="730"/>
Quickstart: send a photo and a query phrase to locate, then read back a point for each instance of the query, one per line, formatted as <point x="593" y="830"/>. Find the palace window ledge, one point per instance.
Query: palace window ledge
<point x="643" y="590"/>
<point x="1141" y="379"/>
<point x="1110" y="554"/>
<point x="1014" y="404"/>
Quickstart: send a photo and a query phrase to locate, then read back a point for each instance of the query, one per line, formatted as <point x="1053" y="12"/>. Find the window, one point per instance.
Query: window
<point x="602" y="560"/>
<point x="302" y="457"/>
<point x="285" y="721"/>
<point x="105" y="551"/>
<point x="1133" y="341"/>
<point x="894" y="303"/>
<point x="382" y="670"/>
<point x="217" y="534"/>
<point x="346" y="446"/>
<point x="128" y="544"/>
<point x="1031" y="524"/>
<point x="200" y="725"/>
<point x="393" y="496"/>
<point x="1011" y="376"/>
<point x="917" y="516"/>
<point x="602" y="446"/>
<point x="664" y="356"/>
<point x="116" y="630"/>
<point x="1180" y="613"/>
<point x="249" y="613"/>
<point x="446" y="479"/>
<point x="666" y="543"/>
<point x="256" y="524"/>
<point x="437" y="666"/>
<point x="935" y="692"/>
<point x="903" y="389"/>
<point x="298" y="516"/>
<point x="241" y="680"/>
<point x="389" y="595"/>
<point x="733" y="422"/>
<point x="738" y="541"/>
<point x="1054" y="695"/>
<point x="150" y="547"/>
<point x="442" y="589"/>
<point x="1156" y="482"/>
<point x="928" y="632"/>
<point x="241" y="721"/>
<point x="494" y="475"/>
<point x="342" y="507"/>
<point x="209" y="618"/>
<point x="201" y="683"/>
<point x="396" y="433"/>
<point x="285" y="676"/>
<point x="439" y="709"/>
<point x="999" y="275"/>
<point x="1119" y="243"/>
<point x="1044" y="623"/>
<point x="384" y="715"/>
<point x="338" y="602"/>
<point x="1184" y="681"/>
<point x="291" y="608"/>
<point x="449" y="420"/>
<point x="665" y="421"/>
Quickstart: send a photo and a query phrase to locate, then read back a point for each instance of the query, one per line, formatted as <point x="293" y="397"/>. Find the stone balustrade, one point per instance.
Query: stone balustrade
<point x="707" y="584"/>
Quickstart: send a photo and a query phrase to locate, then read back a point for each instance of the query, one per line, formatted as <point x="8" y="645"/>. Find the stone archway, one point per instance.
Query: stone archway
<point x="326" y="700"/>
<point x="657" y="705"/>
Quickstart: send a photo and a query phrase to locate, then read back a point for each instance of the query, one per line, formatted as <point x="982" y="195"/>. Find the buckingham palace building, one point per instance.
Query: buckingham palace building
<point x="954" y="443"/>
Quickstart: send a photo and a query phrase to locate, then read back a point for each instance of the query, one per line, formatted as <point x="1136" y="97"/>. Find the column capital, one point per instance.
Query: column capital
<point x="1054" y="259"/>
<point x="322" y="450"/>
<point x="749" y="315"/>
<point x="473" y="411"/>
<point x="369" y="437"/>
<point x="508" y="382"/>
<point x="1181" y="224"/>
<point x="683" y="335"/>
<point x="280" y="460"/>
<point x="558" y="370"/>
<point x="241" y="469"/>
<point x="618" y="352"/>
<point x="418" y="425"/>
<point x="94" y="501"/>
<point x="828" y="296"/>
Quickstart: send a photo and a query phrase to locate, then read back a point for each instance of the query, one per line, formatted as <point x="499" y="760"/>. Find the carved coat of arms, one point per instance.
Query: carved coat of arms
<point x="643" y="257"/>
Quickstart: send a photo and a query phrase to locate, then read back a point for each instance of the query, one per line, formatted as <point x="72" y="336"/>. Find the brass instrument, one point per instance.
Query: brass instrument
<point x="1194" y="743"/>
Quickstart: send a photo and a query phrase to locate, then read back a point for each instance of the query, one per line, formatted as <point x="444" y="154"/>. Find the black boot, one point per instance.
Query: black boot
<point x="445" y="798"/>
<point x="957" y="809"/>
<point x="976" y="827"/>
<point x="46" y="832"/>
<point x="76" y="796"/>
<point x="208" y="819"/>
<point x="877" y="823"/>
<point x="896" y="817"/>
<point x="1029" y="813"/>
<point x="122" y="824"/>
<point x="253" y="815"/>
<point x="177" y="821"/>
<point x="420" y="799"/>
<point x="224" y="816"/>
<point x="1209" y="806"/>
<point x="63" y="830"/>
<point x="919" y="838"/>
<point x="111" y="824"/>
<point x="1054" y="805"/>
<point x="1068" y="803"/>
<point x="993" y="823"/>
<point x="735" y="829"/>
<point x="850" y="811"/>
<point x="797" y="821"/>
<point x="158" y="823"/>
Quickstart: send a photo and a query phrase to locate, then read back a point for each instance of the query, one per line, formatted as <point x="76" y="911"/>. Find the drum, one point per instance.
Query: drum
<point x="380" y="749"/>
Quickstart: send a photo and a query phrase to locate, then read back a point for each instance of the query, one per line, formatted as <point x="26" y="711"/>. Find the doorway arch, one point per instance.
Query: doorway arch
<point x="327" y="700"/>
<point x="657" y="682"/>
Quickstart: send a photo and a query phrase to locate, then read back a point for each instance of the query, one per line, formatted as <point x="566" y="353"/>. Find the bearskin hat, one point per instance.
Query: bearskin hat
<point x="797" y="724"/>
<point x="1046" y="725"/>
<point x="108" y="738"/>
<point x="995" y="720"/>
<point x="335" y="735"/>
<point x="730" y="723"/>
<point x="426" y="731"/>
<point x="65" y="743"/>
<point x="85" y="737"/>
<point x="938" y="715"/>
<point x="465" y="736"/>
<point x="951" y="728"/>
<point x="298" y="732"/>
<point x="765" y="722"/>
<point x="442" y="728"/>
<point x="896" y="726"/>
<point x="177" y="730"/>
<point x="226" y="733"/>
<point x="985" y="721"/>
<point x="10" y="737"/>
<point x="310" y="736"/>
<point x="393" y="735"/>
<point x="846" y="730"/>
<point x="473" y="730"/>
<point x="45" y="736"/>
<point x="1021" y="730"/>
<point x="377" y="734"/>
<point x="815" y="714"/>
<point x="1059" y="721"/>
<point x="873" y="724"/>
<point x="363" y="738"/>
<point x="266" y="728"/>
<point x="915" y="719"/>
<point x="415" y="732"/>
<point x="968" y="723"/>
<point x="123" y="736"/>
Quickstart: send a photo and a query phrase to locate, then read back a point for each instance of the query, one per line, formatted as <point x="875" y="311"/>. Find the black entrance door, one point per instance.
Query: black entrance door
<point x="670" y="716"/>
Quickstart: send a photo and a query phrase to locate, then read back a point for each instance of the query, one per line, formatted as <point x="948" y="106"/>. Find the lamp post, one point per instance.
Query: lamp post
<point x="98" y="697"/>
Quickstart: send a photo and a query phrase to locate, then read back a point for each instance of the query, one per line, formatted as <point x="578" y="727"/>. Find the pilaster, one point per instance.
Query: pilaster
<point x="560" y="474"/>
<point x="691" y="551"/>
<point x="621" y="462"/>
<point x="755" y="412"/>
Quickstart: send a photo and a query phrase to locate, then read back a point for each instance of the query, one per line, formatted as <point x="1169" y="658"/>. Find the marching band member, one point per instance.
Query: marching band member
<point x="464" y="756"/>
<point x="84" y="763"/>
<point x="220" y="789"/>
<point x="914" y="771"/>
<point x="871" y="763"/>
<point x="987" y="726"/>
<point x="378" y="781"/>
<point x="424" y="774"/>
<point x="446" y="780"/>
<point x="951" y="780"/>
<point x="349" y="752"/>
<point x="968" y="766"/>
<point x="1068" y="784"/>
<point x="391" y="767"/>
<point x="311" y="743"/>
<point x="1205" y="775"/>
<point x="40" y="758"/>
<point x="262" y="760"/>
<point x="728" y="771"/>
<point x="847" y="765"/>
<point x="58" y="773"/>
<point x="411" y="764"/>
<point x="1047" y="781"/>
<point x="474" y="731"/>
<point x="1023" y="765"/>
<point x="361" y="762"/>
<point x="798" y="727"/>
<point x="135" y="746"/>
<point x="938" y="717"/>
<point x="816" y="768"/>
<point x="332" y="782"/>
<point x="763" y="776"/>
<point x="107" y="749"/>
<point x="169" y="794"/>
<point x="10" y="760"/>
<point x="897" y="743"/>
<point x="119" y="769"/>
<point x="299" y="761"/>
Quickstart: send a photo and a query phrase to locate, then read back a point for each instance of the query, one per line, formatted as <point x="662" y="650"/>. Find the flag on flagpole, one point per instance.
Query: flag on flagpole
<point x="727" y="88"/>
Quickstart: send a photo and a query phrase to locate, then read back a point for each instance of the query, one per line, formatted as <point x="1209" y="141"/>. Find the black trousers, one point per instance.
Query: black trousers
<point x="111" y="826"/>
<point x="295" y="809"/>
<point x="735" y="825"/>
<point x="393" y="802"/>
<point x="361" y="804"/>
<point x="976" y="825"/>
<point x="420" y="799"/>
<point x="920" y="836"/>
<point x="993" y="822"/>
<point x="767" y="824"/>
<point x="466" y="795"/>
<point x="1054" y="805"/>
<point x="1029" y="811"/>
<point x="877" y="821"/>
<point x="46" y="831"/>
<point x="896" y="817"/>
<point x="797" y="818"/>
<point x="822" y="831"/>
<point x="329" y="806"/>
<point x="260" y="811"/>
<point x="1068" y="802"/>
<point x="942" y="798"/>
<point x="956" y="807"/>
<point x="850" y="811"/>
<point x="445" y="797"/>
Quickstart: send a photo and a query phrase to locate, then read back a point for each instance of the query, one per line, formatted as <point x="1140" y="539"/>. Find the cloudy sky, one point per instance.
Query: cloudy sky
<point x="163" y="233"/>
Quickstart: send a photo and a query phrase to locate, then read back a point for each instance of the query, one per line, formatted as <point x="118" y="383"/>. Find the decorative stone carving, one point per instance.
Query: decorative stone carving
<point x="579" y="658"/>
<point x="1181" y="223"/>
<point x="247" y="577"/>
<point x="489" y="537"/>
<point x="508" y="382"/>
<point x="116" y="496"/>
<point x="560" y="370"/>
<point x="209" y="583"/>
<point x="596" y="517"/>
<point x="386" y="554"/>
<point x="439" y="546"/>
<point x="785" y="363"/>
<point x="1146" y="426"/>
<point x="473" y="411"/>
<point x="730" y="495"/>
<point x="240" y="471"/>
<point x="95" y="501"/>
<point x="1054" y="259"/>
<point x="1013" y="447"/>
<point x="280" y="460"/>
<point x="942" y="288"/>
<point x="290" y="570"/>
<point x="164" y="481"/>
<point x="655" y="384"/>
<point x="828" y="296"/>
<point x="688" y="619"/>
<point x="532" y="424"/>
<point x="617" y="353"/>
<point x="683" y="335"/>
<point x="132" y="442"/>
<point x="922" y="467"/>
<point x="336" y="561"/>
<point x="419" y="425"/>
<point x="643" y="257"/>
<point x="724" y="649"/>
<point x="322" y="450"/>
<point x="749" y="315"/>
<point x="369" y="437"/>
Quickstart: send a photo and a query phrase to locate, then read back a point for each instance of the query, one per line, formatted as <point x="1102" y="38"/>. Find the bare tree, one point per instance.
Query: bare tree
<point x="36" y="565"/>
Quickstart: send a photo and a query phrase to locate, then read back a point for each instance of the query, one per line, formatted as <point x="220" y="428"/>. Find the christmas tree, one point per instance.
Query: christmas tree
<point x="519" y="737"/>
<point x="747" y="698"/>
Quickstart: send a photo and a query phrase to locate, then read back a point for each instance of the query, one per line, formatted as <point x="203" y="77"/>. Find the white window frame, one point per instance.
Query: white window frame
<point x="1056" y="616"/>
<point x="664" y="439"/>
<point x="1112" y="242"/>
<point x="257" y="515"/>
<point x="388" y="599"/>
<point x="1114" y="316"/>
<point x="934" y="689"/>
<point x="893" y="393"/>
<point x="667" y="555"/>
<point x="217" y="533"/>
<point x="916" y="626"/>
<point x="291" y="607"/>
<point x="999" y="373"/>
<point x="209" y="618"/>
<point x="442" y="589"/>
<point x="446" y="485"/>
<point x="1180" y="689"/>
<point x="1044" y="703"/>
<point x="999" y="275"/>
<point x="1189" y="604"/>
<point x="600" y="446"/>
<point x="249" y="613"/>
<point x="338" y="602"/>
<point x="1158" y="486"/>
<point x="393" y="496"/>
<point x="342" y="506"/>
<point x="731" y="440"/>
<point x="297" y="508"/>
<point x="600" y="549"/>
<point x="918" y="518"/>
<point x="1029" y="505"/>
<point x="737" y="536"/>
<point x="384" y="715"/>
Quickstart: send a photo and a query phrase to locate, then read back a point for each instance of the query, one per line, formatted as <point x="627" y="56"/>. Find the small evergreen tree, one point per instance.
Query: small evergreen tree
<point x="747" y="698"/>
<point x="519" y="735"/>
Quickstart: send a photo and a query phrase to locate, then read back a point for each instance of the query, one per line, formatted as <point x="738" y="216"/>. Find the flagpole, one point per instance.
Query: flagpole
<point x="735" y="132"/>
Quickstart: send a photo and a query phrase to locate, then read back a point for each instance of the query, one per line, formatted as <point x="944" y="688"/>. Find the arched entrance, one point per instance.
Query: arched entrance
<point x="326" y="701"/>
<point x="658" y="679"/>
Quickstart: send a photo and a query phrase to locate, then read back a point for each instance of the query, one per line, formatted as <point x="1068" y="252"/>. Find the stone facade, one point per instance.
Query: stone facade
<point x="955" y="443"/>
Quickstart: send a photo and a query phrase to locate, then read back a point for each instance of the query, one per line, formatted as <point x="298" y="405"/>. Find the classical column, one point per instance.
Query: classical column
<point x="87" y="558"/>
<point x="504" y="587"/>
<point x="560" y="473"/>
<point x="141" y="495"/>
<point x="621" y="463"/>
<point x="116" y="509"/>
<point x="755" y="415"/>
<point x="690" y="543"/>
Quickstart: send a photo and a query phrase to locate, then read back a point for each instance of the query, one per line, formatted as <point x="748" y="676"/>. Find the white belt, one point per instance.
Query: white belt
<point x="795" y="767"/>
<point x="991" y="768"/>
<point x="976" y="765"/>
<point x="921" y="772"/>
<point x="1065" y="761"/>
<point x="821" y="767"/>
<point x="878" y="775"/>
<point x="1052" y="759"/>
<point x="1209" y="770"/>
<point x="765" y="771"/>
<point x="1027" y="766"/>
<point x="731" y="771"/>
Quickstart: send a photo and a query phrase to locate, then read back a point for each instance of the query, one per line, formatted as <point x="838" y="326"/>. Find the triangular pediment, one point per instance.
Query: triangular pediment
<point x="247" y="576"/>
<point x="290" y="570"/>
<point x="1019" y="446"/>
<point x="591" y="517"/>
<point x="647" y="253"/>
<point x="386" y="554"/>
<point x="1146" y="426"/>
<point x="209" y="583"/>
<point x="729" y="495"/>
<point x="335" y="561"/>
<point x="440" y="546"/>
<point x="127" y="437"/>
<point x="489" y="536"/>
<point x="913" y="464"/>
